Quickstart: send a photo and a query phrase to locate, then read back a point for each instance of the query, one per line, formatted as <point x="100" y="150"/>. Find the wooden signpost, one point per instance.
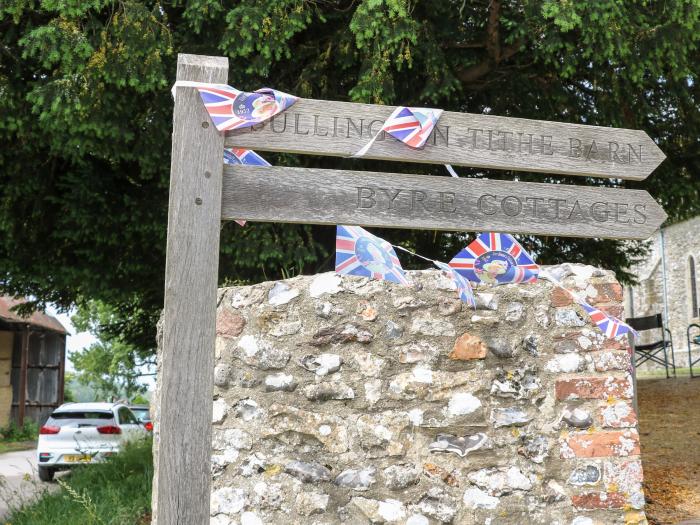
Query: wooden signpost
<point x="202" y="194"/>
<point x="320" y="196"/>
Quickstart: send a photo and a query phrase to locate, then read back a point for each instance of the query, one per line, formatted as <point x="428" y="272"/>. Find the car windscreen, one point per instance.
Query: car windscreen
<point x="142" y="414"/>
<point x="91" y="418"/>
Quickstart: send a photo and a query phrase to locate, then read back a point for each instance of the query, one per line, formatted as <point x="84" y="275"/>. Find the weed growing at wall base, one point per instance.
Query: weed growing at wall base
<point x="117" y="492"/>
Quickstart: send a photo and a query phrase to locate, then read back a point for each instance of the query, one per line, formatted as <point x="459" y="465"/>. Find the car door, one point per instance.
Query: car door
<point x="131" y="428"/>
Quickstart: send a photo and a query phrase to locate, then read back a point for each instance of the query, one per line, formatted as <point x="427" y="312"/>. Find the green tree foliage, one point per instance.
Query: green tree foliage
<point x="85" y="118"/>
<point x="112" y="366"/>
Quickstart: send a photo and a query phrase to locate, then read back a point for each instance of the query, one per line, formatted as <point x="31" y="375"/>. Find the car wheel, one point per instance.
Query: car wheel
<point x="46" y="474"/>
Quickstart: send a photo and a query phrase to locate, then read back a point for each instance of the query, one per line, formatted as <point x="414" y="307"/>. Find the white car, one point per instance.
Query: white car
<point x="79" y="433"/>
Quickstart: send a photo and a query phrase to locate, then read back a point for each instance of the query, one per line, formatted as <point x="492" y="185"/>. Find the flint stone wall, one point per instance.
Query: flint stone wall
<point x="350" y="401"/>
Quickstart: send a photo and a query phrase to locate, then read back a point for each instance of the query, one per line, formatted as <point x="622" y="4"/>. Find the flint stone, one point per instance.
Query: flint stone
<point x="369" y="365"/>
<point x="555" y="492"/>
<point x="287" y="422"/>
<point x="439" y="505"/>
<point x="220" y="409"/>
<point x="417" y="519"/>
<point x="323" y="310"/>
<point x="356" y="479"/>
<point x="227" y="500"/>
<point x="328" y="391"/>
<point x="392" y="330"/>
<point x="542" y="316"/>
<point x="432" y="327"/>
<point x="222" y="375"/>
<point x="518" y="384"/>
<point x="514" y="312"/>
<point x="486" y="301"/>
<point x="260" y="354"/>
<point x="568" y="317"/>
<point x="307" y="472"/>
<point x="535" y="448"/>
<point x="268" y="495"/>
<point x="449" y="307"/>
<point x="280" y="382"/>
<point x="418" y="352"/>
<point x="530" y="344"/>
<point x="586" y="475"/>
<point x="475" y="498"/>
<point x="398" y="477"/>
<point x="377" y="511"/>
<point x="458" y="445"/>
<point x="326" y="283"/>
<point x="384" y="434"/>
<point x="308" y="503"/>
<point x="569" y="362"/>
<point x="322" y="364"/>
<point x="346" y="333"/>
<point x="577" y="418"/>
<point x="248" y="296"/>
<point x="407" y="302"/>
<point x="286" y="329"/>
<point x="247" y="409"/>
<point x="501" y="348"/>
<point x="468" y="346"/>
<point x="281" y="294"/>
<point x="431" y="385"/>
<point x="500" y="481"/>
<point x="510" y="417"/>
<point x="462" y="403"/>
<point x="231" y="438"/>
<point x="253" y="464"/>
<point x="250" y="518"/>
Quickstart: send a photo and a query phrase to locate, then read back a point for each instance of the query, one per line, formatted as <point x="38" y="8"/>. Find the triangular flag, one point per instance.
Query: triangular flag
<point x="230" y="108"/>
<point x="495" y="258"/>
<point x="464" y="289"/>
<point x="412" y="126"/>
<point x="358" y="252"/>
<point x="611" y="326"/>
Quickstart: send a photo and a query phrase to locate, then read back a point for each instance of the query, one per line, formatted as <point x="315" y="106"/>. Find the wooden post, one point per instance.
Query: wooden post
<point x="23" y="364"/>
<point x="60" y="395"/>
<point x="181" y="486"/>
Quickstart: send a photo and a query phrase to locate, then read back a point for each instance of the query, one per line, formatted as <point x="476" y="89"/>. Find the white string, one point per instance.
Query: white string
<point x="413" y="253"/>
<point x="189" y="83"/>
<point x="451" y="171"/>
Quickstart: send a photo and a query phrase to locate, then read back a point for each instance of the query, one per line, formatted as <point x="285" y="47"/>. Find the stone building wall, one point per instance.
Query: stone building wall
<point x="681" y="241"/>
<point x="350" y="401"/>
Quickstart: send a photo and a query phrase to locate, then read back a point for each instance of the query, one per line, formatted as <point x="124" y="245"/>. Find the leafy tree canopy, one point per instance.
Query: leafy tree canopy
<point x="85" y="118"/>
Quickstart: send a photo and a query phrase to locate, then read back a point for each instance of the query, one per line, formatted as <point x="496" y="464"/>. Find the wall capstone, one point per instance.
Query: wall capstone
<point x="341" y="400"/>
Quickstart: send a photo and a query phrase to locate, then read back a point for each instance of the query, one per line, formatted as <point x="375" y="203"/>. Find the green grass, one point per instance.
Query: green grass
<point x="28" y="432"/>
<point x="116" y="492"/>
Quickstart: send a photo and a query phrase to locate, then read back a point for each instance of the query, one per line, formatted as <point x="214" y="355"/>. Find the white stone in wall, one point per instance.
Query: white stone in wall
<point x="462" y="403"/>
<point x="475" y="498"/>
<point x="326" y="283"/>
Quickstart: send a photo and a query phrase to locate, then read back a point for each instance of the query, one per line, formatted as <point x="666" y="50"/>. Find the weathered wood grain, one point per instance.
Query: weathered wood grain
<point x="316" y="196"/>
<point x="181" y="485"/>
<point x="322" y="127"/>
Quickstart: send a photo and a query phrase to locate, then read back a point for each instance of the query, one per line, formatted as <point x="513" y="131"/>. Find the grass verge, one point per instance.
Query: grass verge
<point x="116" y="492"/>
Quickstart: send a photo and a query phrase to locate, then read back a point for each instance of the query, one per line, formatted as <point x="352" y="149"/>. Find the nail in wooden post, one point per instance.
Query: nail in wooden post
<point x="181" y="485"/>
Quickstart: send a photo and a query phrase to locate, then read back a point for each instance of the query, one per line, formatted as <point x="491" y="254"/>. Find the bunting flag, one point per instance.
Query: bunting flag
<point x="358" y="252"/>
<point x="230" y="108"/>
<point x="247" y="157"/>
<point x="464" y="289"/>
<point x="611" y="326"/>
<point x="412" y="126"/>
<point x="495" y="258"/>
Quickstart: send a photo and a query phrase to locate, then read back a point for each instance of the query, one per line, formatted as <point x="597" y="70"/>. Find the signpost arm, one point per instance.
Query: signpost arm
<point x="181" y="485"/>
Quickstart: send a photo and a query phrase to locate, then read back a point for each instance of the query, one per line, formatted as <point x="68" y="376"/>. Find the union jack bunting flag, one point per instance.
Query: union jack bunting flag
<point x="412" y="126"/>
<point x="611" y="326"/>
<point x="464" y="289"/>
<point x="230" y="108"/>
<point x="247" y="157"/>
<point x="358" y="252"/>
<point x="495" y="258"/>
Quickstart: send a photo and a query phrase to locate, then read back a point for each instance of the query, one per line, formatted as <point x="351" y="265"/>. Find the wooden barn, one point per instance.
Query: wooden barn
<point x="32" y="365"/>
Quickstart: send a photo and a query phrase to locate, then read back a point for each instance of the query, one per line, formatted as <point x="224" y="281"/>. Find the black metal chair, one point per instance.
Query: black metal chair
<point x="693" y="340"/>
<point x="655" y="352"/>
